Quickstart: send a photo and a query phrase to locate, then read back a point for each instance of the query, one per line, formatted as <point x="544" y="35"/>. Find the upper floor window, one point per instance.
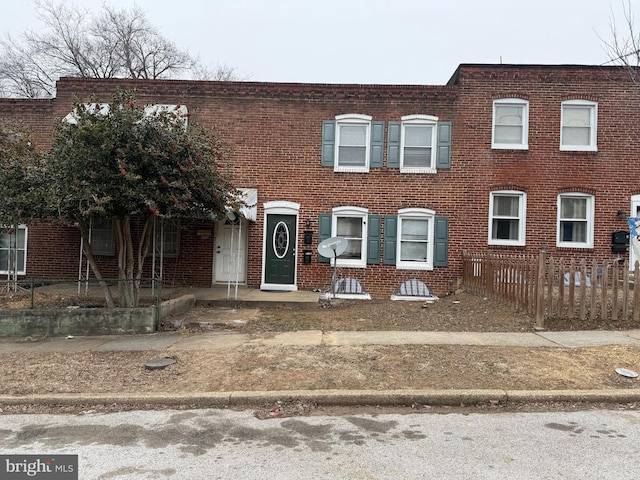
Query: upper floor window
<point x="350" y="223"/>
<point x="579" y="125"/>
<point x="418" y="151"/>
<point x="352" y="143"/>
<point x="507" y="211"/>
<point x="575" y="220"/>
<point x="510" y="124"/>
<point x="13" y="250"/>
<point x="352" y="140"/>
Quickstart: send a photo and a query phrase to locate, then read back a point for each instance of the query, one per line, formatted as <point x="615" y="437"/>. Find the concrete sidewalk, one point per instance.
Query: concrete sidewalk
<point x="172" y="341"/>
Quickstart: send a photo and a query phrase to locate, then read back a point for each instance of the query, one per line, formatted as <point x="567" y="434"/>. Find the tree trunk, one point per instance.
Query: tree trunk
<point x="86" y="246"/>
<point x="126" y="287"/>
<point x="143" y="246"/>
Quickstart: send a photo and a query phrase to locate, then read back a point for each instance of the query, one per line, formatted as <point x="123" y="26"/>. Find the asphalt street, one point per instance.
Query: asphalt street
<point x="223" y="444"/>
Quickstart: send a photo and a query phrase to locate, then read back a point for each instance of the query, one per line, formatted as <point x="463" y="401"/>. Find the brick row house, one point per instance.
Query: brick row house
<point x="507" y="158"/>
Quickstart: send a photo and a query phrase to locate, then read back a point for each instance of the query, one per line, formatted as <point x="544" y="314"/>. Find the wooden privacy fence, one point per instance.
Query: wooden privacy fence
<point x="551" y="288"/>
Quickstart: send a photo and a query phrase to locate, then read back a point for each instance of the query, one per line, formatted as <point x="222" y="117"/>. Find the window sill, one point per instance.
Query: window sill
<point x="410" y="266"/>
<point x="351" y="169"/>
<point x="418" y="170"/>
<point x="578" y="149"/>
<point x="348" y="264"/>
<point x="509" y="147"/>
<point x="505" y="244"/>
<point x="574" y="247"/>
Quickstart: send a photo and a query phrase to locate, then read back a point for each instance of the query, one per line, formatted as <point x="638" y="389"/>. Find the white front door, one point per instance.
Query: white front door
<point x="230" y="252"/>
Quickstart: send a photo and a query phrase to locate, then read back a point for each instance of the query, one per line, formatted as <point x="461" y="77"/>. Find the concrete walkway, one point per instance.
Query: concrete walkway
<point x="172" y="341"/>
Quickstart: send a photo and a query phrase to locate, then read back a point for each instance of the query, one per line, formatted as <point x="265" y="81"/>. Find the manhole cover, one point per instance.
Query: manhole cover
<point x="159" y="363"/>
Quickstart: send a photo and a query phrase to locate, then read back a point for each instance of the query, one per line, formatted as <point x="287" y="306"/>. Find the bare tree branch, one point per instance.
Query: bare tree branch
<point x="115" y="44"/>
<point x="624" y="46"/>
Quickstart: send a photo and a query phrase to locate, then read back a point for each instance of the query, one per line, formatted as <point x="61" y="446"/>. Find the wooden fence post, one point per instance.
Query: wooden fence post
<point x="542" y="257"/>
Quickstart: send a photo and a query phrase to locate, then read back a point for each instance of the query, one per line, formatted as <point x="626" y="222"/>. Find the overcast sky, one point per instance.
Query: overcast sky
<point x="369" y="41"/>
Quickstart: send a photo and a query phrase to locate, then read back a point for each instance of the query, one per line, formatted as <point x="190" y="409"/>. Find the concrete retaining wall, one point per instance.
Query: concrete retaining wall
<point x="89" y="321"/>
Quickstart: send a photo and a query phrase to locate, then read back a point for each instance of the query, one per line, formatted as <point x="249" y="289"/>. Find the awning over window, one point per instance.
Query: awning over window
<point x="248" y="196"/>
<point x="179" y="111"/>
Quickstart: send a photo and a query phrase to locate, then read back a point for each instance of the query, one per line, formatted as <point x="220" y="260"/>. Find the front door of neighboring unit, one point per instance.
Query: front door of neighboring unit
<point x="230" y="254"/>
<point x="280" y="250"/>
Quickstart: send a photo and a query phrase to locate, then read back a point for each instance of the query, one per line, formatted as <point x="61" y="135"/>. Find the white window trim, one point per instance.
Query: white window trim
<point x="426" y="120"/>
<point x="593" y="117"/>
<point x="416" y="214"/>
<point x="357" y="212"/>
<point x="522" y="215"/>
<point x="525" y="124"/>
<point x="353" y="119"/>
<point x="26" y="242"/>
<point x="590" y="221"/>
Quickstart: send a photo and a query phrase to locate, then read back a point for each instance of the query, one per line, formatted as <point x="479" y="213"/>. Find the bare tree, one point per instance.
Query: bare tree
<point x="624" y="46"/>
<point x="113" y="44"/>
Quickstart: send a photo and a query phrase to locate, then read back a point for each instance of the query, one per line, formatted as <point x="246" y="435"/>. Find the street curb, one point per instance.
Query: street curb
<point x="352" y="398"/>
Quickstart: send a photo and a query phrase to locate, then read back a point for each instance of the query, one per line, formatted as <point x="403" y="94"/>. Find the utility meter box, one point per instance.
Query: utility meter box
<point x="619" y="241"/>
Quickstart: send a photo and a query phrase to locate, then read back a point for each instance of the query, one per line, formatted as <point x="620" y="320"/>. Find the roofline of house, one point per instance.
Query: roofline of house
<point x="455" y="78"/>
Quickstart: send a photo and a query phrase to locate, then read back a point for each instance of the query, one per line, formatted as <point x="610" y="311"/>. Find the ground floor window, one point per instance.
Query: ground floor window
<point x="575" y="220"/>
<point x="101" y="236"/>
<point x="415" y="234"/>
<point x="13" y="250"/>
<point x="350" y="223"/>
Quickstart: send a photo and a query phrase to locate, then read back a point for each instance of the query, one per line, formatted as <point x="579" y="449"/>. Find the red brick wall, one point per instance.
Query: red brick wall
<point x="35" y="115"/>
<point x="274" y="132"/>
<point x="612" y="174"/>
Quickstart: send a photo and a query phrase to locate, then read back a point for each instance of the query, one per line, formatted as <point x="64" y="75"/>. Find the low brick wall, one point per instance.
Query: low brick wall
<point x="89" y="321"/>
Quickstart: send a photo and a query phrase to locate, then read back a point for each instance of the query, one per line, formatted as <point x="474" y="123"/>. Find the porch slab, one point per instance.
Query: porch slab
<point x="244" y="294"/>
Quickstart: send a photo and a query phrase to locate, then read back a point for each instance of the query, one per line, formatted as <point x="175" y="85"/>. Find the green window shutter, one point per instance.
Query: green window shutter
<point x="390" y="239"/>
<point x="441" y="242"/>
<point x="443" y="159"/>
<point x="377" y="144"/>
<point x="393" y="145"/>
<point x="324" y="232"/>
<point x="373" y="239"/>
<point x="328" y="143"/>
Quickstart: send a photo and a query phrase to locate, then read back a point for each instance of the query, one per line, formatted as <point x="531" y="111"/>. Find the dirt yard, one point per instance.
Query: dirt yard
<point x="262" y="367"/>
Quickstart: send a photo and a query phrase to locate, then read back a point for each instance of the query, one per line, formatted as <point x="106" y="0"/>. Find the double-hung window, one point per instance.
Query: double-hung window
<point x="510" y="124"/>
<point x="102" y="236"/>
<point x="418" y="149"/>
<point x="507" y="210"/>
<point x="13" y="250"/>
<point x="415" y="239"/>
<point x="167" y="237"/>
<point x="352" y="140"/>
<point x="579" y="125"/>
<point x="575" y="220"/>
<point x="351" y="223"/>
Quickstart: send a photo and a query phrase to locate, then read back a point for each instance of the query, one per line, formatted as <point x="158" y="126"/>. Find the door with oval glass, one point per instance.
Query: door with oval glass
<point x="280" y="250"/>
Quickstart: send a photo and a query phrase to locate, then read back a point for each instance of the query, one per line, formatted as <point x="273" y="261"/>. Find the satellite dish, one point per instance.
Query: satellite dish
<point x="333" y="247"/>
